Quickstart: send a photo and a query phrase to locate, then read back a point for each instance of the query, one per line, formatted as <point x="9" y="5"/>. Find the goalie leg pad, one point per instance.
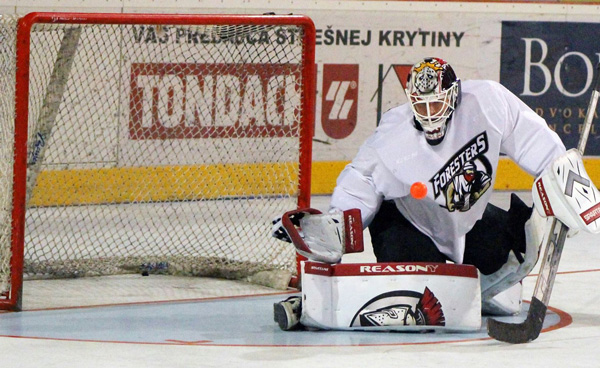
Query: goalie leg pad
<point x="506" y="303"/>
<point x="391" y="296"/>
<point x="512" y="272"/>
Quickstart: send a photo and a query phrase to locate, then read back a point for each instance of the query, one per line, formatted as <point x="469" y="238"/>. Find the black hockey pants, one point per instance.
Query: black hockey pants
<point x="487" y="246"/>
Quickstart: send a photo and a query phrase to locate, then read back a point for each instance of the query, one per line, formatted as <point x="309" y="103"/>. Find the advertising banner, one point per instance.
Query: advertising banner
<point x="363" y="58"/>
<point x="546" y="54"/>
<point x="551" y="66"/>
<point x="548" y="64"/>
<point x="362" y="66"/>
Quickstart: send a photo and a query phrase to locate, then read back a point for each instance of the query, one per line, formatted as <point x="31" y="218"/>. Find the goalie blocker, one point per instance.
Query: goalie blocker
<point x="566" y="191"/>
<point x="391" y="297"/>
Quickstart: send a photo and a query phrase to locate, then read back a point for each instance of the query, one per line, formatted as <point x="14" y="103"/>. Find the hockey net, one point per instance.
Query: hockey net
<point x="151" y="143"/>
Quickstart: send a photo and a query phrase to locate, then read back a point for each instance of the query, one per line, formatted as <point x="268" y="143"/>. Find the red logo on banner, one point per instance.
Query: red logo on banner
<point x="340" y="99"/>
<point x="402" y="73"/>
<point x="182" y="101"/>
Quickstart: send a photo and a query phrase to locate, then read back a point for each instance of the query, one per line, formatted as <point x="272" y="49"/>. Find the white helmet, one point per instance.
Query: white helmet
<point x="434" y="93"/>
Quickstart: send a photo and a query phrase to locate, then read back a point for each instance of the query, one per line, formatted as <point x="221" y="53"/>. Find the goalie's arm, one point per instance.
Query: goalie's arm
<point x="357" y="186"/>
<point x="526" y="137"/>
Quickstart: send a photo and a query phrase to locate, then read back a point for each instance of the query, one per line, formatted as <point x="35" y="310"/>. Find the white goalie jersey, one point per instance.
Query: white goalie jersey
<point x="459" y="173"/>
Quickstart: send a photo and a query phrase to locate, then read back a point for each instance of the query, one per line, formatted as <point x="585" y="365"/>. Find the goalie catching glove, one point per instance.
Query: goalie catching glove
<point x="566" y="191"/>
<point x="321" y="237"/>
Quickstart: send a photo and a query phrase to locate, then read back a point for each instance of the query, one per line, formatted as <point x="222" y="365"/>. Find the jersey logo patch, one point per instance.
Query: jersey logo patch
<point x="465" y="177"/>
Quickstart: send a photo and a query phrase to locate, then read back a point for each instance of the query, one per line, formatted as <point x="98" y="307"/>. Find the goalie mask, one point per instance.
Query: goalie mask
<point x="434" y="93"/>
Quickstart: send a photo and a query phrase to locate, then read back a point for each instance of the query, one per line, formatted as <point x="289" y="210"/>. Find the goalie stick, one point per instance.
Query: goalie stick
<point x="529" y="330"/>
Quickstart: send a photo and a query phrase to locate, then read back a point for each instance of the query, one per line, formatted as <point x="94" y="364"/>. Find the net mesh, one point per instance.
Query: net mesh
<point x="158" y="148"/>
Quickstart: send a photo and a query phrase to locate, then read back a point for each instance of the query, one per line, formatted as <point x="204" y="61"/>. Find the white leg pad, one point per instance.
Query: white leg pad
<point x="506" y="303"/>
<point x="512" y="271"/>
<point x="391" y="297"/>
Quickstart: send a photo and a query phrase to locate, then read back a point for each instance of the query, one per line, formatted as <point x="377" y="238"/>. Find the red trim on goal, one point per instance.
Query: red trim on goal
<point x="13" y="301"/>
<point x="179" y="19"/>
<point x="307" y="127"/>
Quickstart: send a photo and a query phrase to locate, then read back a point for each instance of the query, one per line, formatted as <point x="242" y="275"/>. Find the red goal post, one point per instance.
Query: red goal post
<point x="164" y="142"/>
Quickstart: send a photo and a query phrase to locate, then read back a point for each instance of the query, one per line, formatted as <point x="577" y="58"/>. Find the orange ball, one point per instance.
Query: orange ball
<point x="418" y="190"/>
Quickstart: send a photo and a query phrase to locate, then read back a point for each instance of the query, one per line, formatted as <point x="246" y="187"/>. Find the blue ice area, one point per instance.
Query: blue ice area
<point x="237" y="321"/>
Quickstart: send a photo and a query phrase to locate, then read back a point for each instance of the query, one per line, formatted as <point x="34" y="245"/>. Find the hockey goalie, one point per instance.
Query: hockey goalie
<point x="448" y="256"/>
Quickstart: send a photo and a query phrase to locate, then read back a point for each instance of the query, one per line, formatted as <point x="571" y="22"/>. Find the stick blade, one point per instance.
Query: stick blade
<point x="519" y="333"/>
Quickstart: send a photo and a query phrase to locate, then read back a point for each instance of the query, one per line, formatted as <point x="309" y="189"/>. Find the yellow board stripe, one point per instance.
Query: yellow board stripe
<point x="149" y="184"/>
<point x="510" y="175"/>
<point x="152" y="184"/>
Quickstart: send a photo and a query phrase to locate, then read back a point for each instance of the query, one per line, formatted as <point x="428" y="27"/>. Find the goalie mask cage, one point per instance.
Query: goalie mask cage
<point x="146" y="141"/>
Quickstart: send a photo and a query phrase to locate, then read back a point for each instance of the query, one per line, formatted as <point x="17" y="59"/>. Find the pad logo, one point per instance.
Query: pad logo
<point x="465" y="177"/>
<point x="539" y="186"/>
<point x="573" y="178"/>
<point x="378" y="268"/>
<point x="591" y="214"/>
<point x="340" y="100"/>
<point x="401" y="308"/>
